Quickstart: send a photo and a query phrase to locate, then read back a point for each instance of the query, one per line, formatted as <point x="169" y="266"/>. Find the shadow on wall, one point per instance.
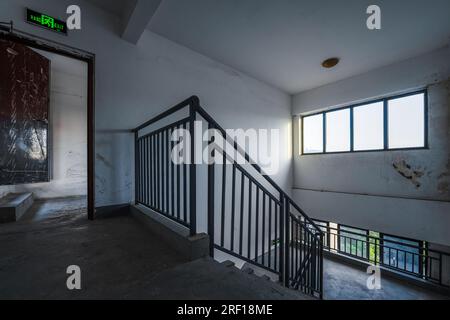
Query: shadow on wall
<point x="113" y="167"/>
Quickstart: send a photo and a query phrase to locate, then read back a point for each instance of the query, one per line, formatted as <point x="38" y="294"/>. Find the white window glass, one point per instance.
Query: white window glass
<point x="313" y="134"/>
<point x="368" y="127"/>
<point x="338" y="131"/>
<point x="407" y="122"/>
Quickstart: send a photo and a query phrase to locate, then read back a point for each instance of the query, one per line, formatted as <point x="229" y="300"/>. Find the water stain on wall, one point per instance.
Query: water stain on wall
<point x="102" y="159"/>
<point x="406" y="171"/>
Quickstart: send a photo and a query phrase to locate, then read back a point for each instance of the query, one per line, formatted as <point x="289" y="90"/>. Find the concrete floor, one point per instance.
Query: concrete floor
<point x="346" y="282"/>
<point x="119" y="259"/>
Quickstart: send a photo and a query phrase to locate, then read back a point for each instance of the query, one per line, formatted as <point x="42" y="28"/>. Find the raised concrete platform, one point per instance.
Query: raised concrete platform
<point x="175" y="235"/>
<point x="14" y="205"/>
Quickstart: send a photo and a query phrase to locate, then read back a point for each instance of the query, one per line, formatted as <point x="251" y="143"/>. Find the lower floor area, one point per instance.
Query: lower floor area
<point x="344" y="281"/>
<point x="120" y="259"/>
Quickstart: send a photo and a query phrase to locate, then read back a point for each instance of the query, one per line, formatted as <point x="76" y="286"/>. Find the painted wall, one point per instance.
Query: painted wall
<point x="68" y="132"/>
<point x="134" y="83"/>
<point x="364" y="189"/>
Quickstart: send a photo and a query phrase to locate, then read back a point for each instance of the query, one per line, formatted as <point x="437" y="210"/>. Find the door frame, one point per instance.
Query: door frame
<point x="74" y="53"/>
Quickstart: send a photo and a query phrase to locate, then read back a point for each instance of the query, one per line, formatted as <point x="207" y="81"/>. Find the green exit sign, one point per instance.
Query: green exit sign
<point x="46" y="21"/>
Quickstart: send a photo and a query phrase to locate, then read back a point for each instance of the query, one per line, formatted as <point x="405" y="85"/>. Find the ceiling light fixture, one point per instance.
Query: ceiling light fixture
<point x="330" y="63"/>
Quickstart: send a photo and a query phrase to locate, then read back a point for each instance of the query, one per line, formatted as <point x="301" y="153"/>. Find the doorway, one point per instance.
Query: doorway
<point x="47" y="124"/>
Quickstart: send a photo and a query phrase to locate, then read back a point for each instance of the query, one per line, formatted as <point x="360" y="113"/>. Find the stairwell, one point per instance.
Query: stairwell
<point x="263" y="218"/>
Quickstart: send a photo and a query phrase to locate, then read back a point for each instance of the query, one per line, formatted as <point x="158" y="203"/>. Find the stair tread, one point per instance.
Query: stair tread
<point x="13" y="200"/>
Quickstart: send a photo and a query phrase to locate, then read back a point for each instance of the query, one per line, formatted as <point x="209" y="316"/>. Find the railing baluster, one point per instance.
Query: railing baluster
<point x="172" y="177"/>
<point x="140" y="161"/>
<point x="150" y="174"/>
<point x="276" y="237"/>
<point x="137" y="173"/>
<point x="263" y="232"/>
<point x="222" y="218"/>
<point x="297" y="247"/>
<point x="286" y="242"/>
<point x="179" y="184"/>
<point x="249" y="235"/>
<point x="143" y="168"/>
<point x="211" y="198"/>
<point x="256" y="223"/>
<point x="163" y="171"/>
<point x="158" y="168"/>
<point x="194" y="105"/>
<point x="269" y="241"/>
<point x="168" y="160"/>
<point x="291" y="239"/>
<point x="185" y="191"/>
<point x="241" y="227"/>
<point x="154" y="171"/>
<point x="233" y="209"/>
<point x="145" y="180"/>
<point x="282" y="259"/>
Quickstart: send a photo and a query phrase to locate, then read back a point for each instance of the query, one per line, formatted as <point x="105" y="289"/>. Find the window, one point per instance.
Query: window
<point x="402" y="254"/>
<point x="338" y="131"/>
<point x="368" y="122"/>
<point x="313" y="134"/>
<point x="387" y="124"/>
<point x="409" y="256"/>
<point x="353" y="241"/>
<point x="406" y="122"/>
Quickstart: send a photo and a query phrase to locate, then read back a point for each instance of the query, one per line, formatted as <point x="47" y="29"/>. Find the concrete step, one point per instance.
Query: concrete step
<point x="207" y="279"/>
<point x="14" y="205"/>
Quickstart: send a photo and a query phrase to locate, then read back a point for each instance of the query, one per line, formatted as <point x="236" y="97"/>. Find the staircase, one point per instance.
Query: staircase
<point x="249" y="217"/>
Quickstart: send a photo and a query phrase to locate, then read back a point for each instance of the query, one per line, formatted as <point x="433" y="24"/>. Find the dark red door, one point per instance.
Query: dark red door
<point x="24" y="115"/>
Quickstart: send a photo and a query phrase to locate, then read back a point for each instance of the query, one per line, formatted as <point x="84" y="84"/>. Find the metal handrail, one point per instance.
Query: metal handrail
<point x="194" y="101"/>
<point x="284" y="202"/>
<point x="424" y="255"/>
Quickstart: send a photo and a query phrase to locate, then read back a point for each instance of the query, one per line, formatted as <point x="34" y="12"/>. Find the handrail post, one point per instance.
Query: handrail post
<point x="281" y="251"/>
<point x="136" y="166"/>
<point x="286" y="242"/>
<point x="321" y="236"/>
<point x="192" y="169"/>
<point x="211" y="199"/>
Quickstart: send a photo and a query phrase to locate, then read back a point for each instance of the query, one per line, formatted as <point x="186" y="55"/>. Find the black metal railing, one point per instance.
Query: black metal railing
<point x="160" y="184"/>
<point x="305" y="252"/>
<point x="249" y="216"/>
<point x="406" y="256"/>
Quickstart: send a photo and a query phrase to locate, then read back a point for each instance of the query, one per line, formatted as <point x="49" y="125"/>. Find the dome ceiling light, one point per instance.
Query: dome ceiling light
<point x="330" y="63"/>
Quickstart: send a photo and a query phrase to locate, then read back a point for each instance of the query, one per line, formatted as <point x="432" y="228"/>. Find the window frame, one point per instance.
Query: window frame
<point x="385" y="101"/>
<point x="421" y="245"/>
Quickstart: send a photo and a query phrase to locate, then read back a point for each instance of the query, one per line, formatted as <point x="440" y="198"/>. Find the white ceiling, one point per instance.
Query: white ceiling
<point x="283" y="42"/>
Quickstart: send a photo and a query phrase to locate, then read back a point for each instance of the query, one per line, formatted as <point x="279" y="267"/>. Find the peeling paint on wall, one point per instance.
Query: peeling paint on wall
<point x="406" y="171"/>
